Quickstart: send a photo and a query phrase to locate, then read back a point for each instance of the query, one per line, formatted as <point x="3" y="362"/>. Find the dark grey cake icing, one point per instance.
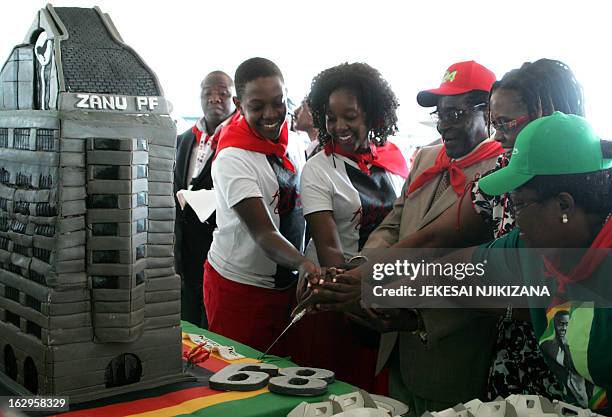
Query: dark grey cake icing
<point x="89" y="299"/>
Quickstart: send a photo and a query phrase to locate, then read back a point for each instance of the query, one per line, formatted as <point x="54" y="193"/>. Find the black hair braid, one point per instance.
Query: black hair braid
<point x="373" y="93"/>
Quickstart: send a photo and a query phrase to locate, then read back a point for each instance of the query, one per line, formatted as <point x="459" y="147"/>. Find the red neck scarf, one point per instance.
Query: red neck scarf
<point x="587" y="265"/>
<point x="197" y="132"/>
<point x="455" y="167"/>
<point x="387" y="157"/>
<point x="240" y="135"/>
<point x="215" y="136"/>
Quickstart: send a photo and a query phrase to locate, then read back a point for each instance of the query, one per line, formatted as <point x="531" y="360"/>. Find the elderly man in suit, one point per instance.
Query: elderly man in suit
<point x="194" y="154"/>
<point x="437" y="357"/>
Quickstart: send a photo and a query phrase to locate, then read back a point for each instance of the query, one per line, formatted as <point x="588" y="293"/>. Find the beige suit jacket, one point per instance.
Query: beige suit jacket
<point x="452" y="366"/>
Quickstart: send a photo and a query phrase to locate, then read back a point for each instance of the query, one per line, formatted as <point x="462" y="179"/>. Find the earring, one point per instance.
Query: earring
<point x="564" y="219"/>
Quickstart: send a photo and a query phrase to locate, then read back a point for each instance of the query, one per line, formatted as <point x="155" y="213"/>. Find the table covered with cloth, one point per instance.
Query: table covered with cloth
<point x="196" y="398"/>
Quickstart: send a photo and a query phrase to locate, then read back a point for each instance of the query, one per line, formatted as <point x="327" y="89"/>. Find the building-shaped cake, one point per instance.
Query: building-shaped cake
<point x="89" y="299"/>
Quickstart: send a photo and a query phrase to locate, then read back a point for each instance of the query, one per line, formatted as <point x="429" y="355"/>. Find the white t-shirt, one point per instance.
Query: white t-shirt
<point x="239" y="174"/>
<point x="325" y="187"/>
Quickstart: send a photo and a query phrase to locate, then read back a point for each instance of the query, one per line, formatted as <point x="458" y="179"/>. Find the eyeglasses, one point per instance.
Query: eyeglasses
<point x="453" y="116"/>
<point x="520" y="207"/>
<point x="511" y="125"/>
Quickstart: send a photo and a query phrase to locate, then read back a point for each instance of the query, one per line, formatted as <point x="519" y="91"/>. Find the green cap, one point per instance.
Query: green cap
<point x="552" y="145"/>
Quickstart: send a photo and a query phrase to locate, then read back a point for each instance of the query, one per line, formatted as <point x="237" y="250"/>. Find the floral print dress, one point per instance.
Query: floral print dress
<point x="518" y="366"/>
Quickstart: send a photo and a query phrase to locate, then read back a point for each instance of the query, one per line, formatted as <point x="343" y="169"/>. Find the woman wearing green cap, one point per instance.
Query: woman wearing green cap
<point x="560" y="181"/>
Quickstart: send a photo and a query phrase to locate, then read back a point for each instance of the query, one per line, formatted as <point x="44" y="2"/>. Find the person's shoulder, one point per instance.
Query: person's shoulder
<point x="430" y="150"/>
<point x="318" y="165"/>
<point x="186" y="134"/>
<point x="433" y="148"/>
<point x="510" y="240"/>
<point x="189" y="131"/>
<point x="186" y="137"/>
<point x="236" y="163"/>
<point x="330" y="164"/>
<point x="237" y="153"/>
<point x="232" y="161"/>
<point x="426" y="155"/>
<point x="320" y="158"/>
<point x="486" y="165"/>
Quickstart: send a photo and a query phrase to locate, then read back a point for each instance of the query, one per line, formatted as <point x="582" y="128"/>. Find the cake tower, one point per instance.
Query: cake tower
<point x="89" y="299"/>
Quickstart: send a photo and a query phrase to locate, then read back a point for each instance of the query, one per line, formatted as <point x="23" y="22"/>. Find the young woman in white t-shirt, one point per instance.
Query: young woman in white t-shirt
<point x="250" y="274"/>
<point x="347" y="189"/>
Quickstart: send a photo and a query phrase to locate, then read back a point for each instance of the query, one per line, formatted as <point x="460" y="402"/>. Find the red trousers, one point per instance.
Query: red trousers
<point x="331" y="341"/>
<point x="256" y="316"/>
<point x="250" y="315"/>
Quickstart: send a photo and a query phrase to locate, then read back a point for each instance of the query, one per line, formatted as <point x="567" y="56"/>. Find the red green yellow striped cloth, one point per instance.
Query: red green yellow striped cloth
<point x="203" y="401"/>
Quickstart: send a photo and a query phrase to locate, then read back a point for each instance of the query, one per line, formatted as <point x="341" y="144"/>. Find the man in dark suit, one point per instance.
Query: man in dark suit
<point x="194" y="155"/>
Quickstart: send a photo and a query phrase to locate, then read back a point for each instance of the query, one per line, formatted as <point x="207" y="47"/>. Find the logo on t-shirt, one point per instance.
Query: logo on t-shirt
<point x="369" y="216"/>
<point x="566" y="346"/>
<point x="376" y="194"/>
<point x="286" y="199"/>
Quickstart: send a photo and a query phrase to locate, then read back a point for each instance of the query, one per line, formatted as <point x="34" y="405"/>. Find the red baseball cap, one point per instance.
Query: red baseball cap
<point x="459" y="78"/>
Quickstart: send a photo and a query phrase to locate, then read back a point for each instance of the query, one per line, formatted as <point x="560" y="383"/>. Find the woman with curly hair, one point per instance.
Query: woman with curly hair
<point x="347" y="189"/>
